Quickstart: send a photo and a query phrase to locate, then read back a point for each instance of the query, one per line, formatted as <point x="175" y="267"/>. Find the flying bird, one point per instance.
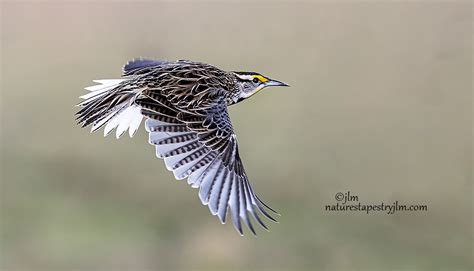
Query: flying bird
<point x="184" y="104"/>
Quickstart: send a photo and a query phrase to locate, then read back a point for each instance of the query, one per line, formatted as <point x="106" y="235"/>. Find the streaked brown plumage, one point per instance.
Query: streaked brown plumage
<point x="185" y="107"/>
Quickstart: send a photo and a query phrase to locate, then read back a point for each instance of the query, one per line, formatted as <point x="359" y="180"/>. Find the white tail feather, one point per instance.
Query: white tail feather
<point x="129" y="118"/>
<point x="125" y="118"/>
<point x="105" y="85"/>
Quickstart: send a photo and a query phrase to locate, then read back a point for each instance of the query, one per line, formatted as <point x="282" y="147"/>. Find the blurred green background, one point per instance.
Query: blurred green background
<point x="380" y="105"/>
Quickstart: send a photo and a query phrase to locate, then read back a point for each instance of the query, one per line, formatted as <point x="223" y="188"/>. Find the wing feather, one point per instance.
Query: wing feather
<point x="200" y="145"/>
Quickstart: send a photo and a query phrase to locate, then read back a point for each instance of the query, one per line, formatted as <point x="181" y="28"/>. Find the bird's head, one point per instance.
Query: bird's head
<point x="252" y="82"/>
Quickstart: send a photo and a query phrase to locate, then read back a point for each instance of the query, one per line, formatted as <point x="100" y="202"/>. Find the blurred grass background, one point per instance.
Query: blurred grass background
<point x="380" y="105"/>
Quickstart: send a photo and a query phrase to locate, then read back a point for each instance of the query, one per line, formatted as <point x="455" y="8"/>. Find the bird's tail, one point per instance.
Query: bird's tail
<point x="111" y="103"/>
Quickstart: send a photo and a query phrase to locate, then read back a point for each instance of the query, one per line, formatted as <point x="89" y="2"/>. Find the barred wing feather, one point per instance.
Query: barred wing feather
<point x="202" y="147"/>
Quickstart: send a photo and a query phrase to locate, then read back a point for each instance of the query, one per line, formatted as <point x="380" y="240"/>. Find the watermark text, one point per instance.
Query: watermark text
<point x="349" y="202"/>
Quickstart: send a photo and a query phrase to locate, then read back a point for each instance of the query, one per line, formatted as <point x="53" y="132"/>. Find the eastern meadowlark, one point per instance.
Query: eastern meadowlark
<point x="184" y="104"/>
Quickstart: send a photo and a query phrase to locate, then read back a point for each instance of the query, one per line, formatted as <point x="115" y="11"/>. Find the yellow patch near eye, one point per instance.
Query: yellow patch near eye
<point x="261" y="78"/>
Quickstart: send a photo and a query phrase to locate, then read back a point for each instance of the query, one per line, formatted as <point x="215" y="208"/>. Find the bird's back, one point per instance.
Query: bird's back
<point x="185" y="84"/>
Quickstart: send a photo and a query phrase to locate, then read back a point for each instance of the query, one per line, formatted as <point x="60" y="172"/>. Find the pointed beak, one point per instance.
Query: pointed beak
<point x="275" y="83"/>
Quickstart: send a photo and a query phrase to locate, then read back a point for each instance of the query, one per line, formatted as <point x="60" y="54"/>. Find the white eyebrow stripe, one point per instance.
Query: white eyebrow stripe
<point x="245" y="77"/>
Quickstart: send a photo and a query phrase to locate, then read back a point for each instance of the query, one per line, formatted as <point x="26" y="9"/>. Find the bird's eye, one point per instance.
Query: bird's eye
<point x="255" y="80"/>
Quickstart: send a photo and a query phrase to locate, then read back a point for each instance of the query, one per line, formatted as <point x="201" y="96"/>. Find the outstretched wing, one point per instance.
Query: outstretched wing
<point x="200" y="144"/>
